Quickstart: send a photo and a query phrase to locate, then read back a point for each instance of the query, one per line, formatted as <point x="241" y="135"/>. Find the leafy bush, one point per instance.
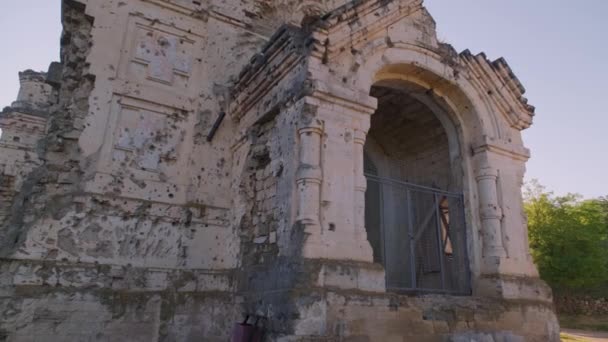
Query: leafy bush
<point x="568" y="238"/>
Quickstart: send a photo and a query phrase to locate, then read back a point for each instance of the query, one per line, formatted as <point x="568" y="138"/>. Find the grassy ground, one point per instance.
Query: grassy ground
<point x="583" y="336"/>
<point x="598" y="323"/>
<point x="570" y="338"/>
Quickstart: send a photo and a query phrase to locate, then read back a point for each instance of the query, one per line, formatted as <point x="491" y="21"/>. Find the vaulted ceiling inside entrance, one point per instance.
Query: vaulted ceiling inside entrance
<point x="403" y="126"/>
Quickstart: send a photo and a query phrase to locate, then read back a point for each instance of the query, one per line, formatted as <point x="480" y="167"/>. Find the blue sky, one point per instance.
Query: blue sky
<point x="559" y="51"/>
<point x="30" y="30"/>
<point x="557" y="48"/>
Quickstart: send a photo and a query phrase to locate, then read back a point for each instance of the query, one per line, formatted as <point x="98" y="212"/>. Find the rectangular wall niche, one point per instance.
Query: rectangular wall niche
<point x="145" y="137"/>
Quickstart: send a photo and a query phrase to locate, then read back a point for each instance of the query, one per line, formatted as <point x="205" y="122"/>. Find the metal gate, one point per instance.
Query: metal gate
<point x="419" y="235"/>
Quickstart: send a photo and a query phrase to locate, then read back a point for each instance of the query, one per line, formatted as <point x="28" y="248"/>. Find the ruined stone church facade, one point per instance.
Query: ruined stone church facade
<point x="327" y="165"/>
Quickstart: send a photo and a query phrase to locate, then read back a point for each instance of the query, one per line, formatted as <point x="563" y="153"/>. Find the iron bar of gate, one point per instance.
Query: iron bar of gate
<point x="440" y="250"/>
<point x="466" y="253"/>
<point x="410" y="224"/>
<point x="412" y="186"/>
<point x="382" y="234"/>
<point x="456" y="226"/>
<point x="424" y="223"/>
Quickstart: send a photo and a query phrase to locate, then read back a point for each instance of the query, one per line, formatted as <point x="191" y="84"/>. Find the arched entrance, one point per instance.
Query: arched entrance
<point x="414" y="208"/>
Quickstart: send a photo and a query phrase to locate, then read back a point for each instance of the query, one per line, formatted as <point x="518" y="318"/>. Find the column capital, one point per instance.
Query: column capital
<point x="360" y="136"/>
<point x="497" y="147"/>
<point x="337" y="95"/>
<point x="309" y="173"/>
<point x="485" y="173"/>
<point x="308" y="120"/>
<point x="317" y="129"/>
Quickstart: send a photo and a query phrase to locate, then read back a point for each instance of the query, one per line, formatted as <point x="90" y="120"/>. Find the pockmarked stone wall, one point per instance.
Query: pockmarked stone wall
<point x="188" y="163"/>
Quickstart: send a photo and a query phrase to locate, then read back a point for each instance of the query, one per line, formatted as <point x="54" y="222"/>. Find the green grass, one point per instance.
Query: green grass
<point x="596" y="323"/>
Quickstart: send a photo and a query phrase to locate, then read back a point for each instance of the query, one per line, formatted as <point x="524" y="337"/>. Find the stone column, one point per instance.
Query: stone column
<point x="505" y="270"/>
<point x="330" y="180"/>
<point x="360" y="186"/>
<point x="499" y="180"/>
<point x="309" y="177"/>
<point x="490" y="212"/>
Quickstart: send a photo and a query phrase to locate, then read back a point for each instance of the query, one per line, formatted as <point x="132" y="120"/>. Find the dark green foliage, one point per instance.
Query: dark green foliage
<point x="568" y="238"/>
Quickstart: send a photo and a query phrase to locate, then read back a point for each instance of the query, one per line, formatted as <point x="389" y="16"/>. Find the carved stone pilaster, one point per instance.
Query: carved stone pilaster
<point x="309" y="175"/>
<point x="360" y="186"/>
<point x="490" y="212"/>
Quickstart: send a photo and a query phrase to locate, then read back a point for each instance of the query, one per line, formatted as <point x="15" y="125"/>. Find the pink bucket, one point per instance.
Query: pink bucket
<point x="245" y="332"/>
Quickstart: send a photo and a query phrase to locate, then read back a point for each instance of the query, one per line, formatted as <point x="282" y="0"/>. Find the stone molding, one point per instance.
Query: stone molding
<point x="98" y="276"/>
<point x="286" y="50"/>
<point x="519" y="153"/>
<point x="501" y="86"/>
<point x="201" y="12"/>
<point x="352" y="24"/>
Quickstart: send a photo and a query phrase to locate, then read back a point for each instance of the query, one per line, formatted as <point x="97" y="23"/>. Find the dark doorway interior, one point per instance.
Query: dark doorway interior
<point x="414" y="211"/>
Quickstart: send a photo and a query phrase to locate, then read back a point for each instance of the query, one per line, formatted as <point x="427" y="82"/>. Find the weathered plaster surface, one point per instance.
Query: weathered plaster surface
<point x="123" y="218"/>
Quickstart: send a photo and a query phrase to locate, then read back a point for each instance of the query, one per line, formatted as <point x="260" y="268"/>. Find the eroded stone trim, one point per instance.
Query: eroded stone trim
<point x="98" y="276"/>
<point x="521" y="154"/>
<point x="509" y="98"/>
<point x="372" y="17"/>
<point x="203" y="14"/>
<point x="346" y="98"/>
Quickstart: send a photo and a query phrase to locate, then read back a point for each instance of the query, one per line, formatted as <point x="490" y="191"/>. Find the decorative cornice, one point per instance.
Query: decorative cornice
<point x="343" y="97"/>
<point x="203" y="13"/>
<point x="497" y="82"/>
<point x="18" y="110"/>
<point x="514" y="152"/>
<point x="352" y="24"/>
<point x="285" y="50"/>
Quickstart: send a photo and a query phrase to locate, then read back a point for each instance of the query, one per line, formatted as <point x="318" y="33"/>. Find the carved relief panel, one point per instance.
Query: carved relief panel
<point x="147" y="137"/>
<point x="161" y="57"/>
<point x="155" y="94"/>
<point x="161" y="54"/>
<point x="140" y="142"/>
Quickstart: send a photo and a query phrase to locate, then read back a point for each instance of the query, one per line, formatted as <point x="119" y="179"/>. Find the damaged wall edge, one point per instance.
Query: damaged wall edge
<point x="58" y="147"/>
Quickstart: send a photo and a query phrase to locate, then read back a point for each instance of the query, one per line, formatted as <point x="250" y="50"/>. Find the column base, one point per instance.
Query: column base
<point x="336" y="247"/>
<point x="337" y="315"/>
<point x="513" y="288"/>
<point x="509" y="266"/>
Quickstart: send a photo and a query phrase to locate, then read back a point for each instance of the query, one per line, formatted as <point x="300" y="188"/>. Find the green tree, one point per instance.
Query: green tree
<point x="568" y="238"/>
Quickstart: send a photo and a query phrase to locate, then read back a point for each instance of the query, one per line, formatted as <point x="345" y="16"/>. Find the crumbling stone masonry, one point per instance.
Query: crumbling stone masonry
<point x="189" y="162"/>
